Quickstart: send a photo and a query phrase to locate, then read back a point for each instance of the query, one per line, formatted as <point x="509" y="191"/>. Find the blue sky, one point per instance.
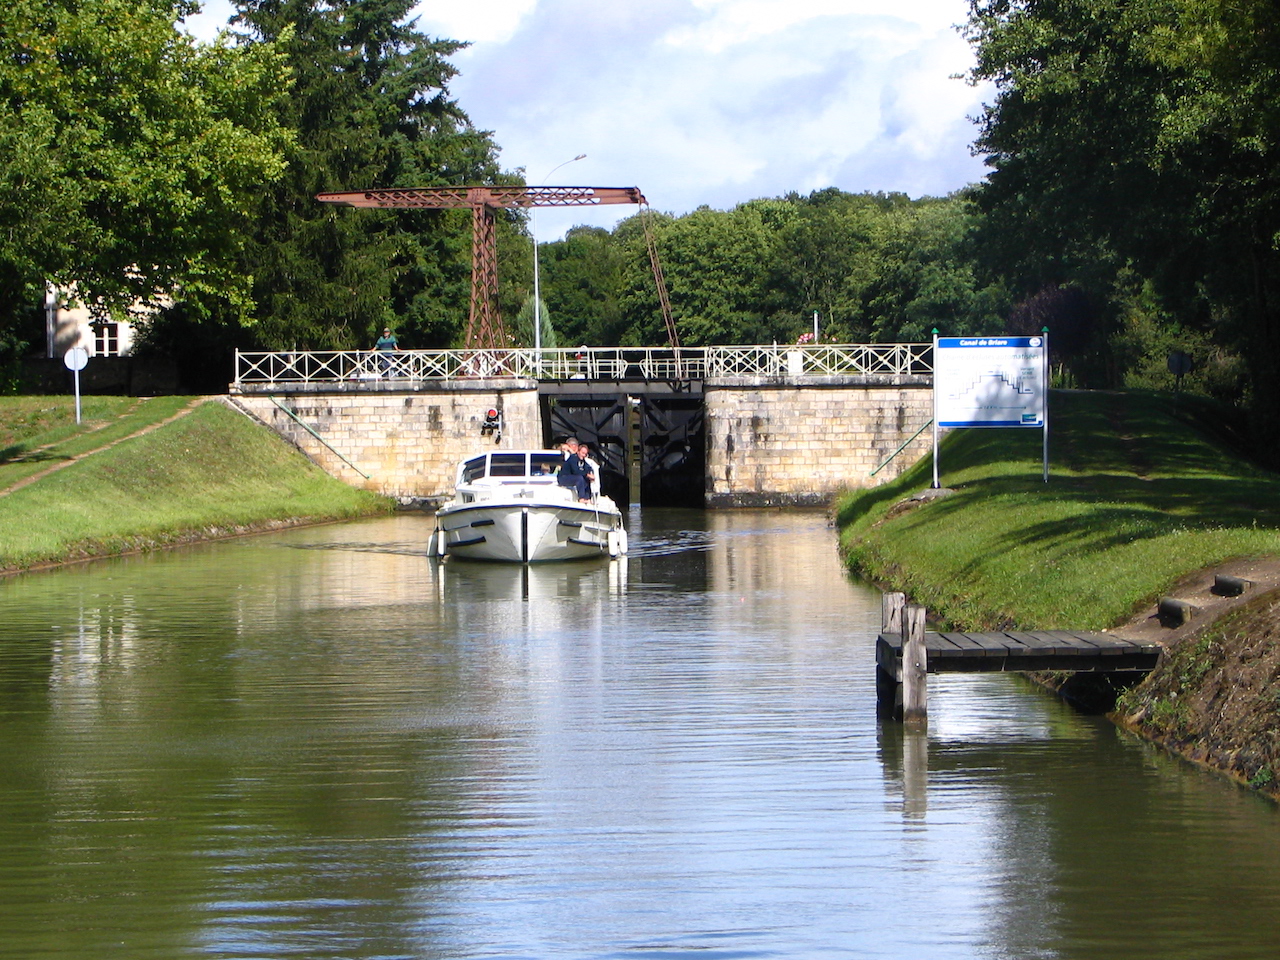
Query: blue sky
<point x="712" y="102"/>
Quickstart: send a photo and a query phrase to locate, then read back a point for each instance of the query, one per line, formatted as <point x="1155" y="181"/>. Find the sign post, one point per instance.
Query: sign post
<point x="936" y="435"/>
<point x="75" y="359"/>
<point x="1044" y="349"/>
<point x="991" y="382"/>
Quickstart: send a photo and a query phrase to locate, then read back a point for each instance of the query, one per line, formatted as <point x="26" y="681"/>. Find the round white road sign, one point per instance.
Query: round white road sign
<point x="76" y="358"/>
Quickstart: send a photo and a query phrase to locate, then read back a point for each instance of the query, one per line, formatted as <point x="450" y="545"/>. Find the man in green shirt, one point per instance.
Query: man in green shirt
<point x="386" y="346"/>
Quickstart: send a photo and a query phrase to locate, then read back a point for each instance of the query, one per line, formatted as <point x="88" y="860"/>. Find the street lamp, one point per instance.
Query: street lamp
<point x="537" y="293"/>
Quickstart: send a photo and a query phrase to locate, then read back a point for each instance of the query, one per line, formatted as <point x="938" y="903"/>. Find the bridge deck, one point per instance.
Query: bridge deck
<point x="1036" y="650"/>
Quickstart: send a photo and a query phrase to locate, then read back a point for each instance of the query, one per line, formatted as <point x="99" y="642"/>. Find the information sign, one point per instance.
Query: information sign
<point x="989" y="381"/>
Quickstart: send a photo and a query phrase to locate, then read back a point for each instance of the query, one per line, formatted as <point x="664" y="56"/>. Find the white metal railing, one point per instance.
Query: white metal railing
<point x="894" y="360"/>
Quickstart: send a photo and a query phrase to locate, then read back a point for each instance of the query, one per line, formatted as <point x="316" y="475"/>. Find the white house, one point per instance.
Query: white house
<point x="73" y="326"/>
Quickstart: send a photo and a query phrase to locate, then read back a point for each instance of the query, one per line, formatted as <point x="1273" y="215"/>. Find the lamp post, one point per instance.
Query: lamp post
<point x="537" y="292"/>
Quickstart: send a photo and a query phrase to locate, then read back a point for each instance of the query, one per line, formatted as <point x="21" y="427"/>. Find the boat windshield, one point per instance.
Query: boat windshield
<point x="525" y="465"/>
<point x="508" y="465"/>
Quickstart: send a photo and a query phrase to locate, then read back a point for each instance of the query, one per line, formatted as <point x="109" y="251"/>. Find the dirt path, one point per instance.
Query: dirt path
<point x="101" y="426"/>
<point x="1196" y="588"/>
<point x="1118" y="417"/>
<point x="26" y="481"/>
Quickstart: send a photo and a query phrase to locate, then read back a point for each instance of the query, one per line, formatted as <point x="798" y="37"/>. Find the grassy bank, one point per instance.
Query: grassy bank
<point x="211" y="472"/>
<point x="1140" y="492"/>
<point x="26" y="422"/>
<point x="35" y="436"/>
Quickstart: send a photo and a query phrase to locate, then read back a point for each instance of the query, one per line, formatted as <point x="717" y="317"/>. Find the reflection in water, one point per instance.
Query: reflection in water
<point x="321" y="744"/>
<point x="467" y="581"/>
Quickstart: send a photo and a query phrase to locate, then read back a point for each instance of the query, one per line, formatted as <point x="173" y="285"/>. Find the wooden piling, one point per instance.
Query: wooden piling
<point x="891" y="613"/>
<point x="891" y="605"/>
<point x="888" y="676"/>
<point x="915" y="667"/>
<point x="634" y="459"/>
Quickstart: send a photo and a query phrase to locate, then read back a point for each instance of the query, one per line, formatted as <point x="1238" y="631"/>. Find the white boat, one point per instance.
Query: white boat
<point x="508" y="506"/>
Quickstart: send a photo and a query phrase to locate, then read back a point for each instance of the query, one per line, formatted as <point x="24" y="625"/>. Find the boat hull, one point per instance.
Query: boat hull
<point x="518" y="531"/>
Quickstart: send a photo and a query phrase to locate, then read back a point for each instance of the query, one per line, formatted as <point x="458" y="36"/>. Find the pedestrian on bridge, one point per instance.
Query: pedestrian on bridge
<point x="386" y="346"/>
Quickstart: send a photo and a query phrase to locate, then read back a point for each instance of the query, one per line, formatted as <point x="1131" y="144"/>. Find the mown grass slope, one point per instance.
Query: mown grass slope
<point x="208" y="473"/>
<point x="1141" y="491"/>
<point x="29" y="422"/>
<point x="40" y="437"/>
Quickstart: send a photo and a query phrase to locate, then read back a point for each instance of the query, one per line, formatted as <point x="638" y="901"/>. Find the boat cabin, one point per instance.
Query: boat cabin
<point x="511" y="468"/>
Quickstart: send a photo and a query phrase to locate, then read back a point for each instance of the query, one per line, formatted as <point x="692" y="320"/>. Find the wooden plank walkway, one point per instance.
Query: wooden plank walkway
<point x="906" y="654"/>
<point x="1014" y="651"/>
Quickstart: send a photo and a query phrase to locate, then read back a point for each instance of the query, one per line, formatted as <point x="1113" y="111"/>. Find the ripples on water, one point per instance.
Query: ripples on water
<point x="319" y="744"/>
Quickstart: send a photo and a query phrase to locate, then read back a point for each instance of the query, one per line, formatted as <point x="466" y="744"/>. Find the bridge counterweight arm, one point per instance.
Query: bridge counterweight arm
<point x="447" y="198"/>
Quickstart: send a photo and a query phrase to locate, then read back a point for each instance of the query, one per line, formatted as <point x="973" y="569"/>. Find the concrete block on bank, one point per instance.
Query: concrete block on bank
<point x="1228" y="586"/>
<point x="1174" y="613"/>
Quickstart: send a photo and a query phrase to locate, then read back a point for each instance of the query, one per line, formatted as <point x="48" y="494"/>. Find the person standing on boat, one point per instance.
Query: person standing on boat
<point x="592" y="468"/>
<point x="572" y="472"/>
<point x="386" y="346"/>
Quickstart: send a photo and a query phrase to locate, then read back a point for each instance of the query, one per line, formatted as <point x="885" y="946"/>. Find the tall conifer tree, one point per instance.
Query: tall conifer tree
<point x="371" y="108"/>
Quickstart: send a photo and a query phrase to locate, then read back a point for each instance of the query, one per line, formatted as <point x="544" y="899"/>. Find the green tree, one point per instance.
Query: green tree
<point x="870" y="264"/>
<point x="715" y="264"/>
<point x="823" y="259"/>
<point x="1144" y="134"/>
<point x="581" y="279"/>
<point x="523" y="328"/>
<point x="927" y="276"/>
<point x="370" y="108"/>
<point x="129" y="155"/>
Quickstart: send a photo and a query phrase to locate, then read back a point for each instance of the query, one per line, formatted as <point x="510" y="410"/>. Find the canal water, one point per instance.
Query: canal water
<point x="319" y="744"/>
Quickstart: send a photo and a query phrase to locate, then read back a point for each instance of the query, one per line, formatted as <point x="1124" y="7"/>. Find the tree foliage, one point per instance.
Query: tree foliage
<point x="1143" y="135"/>
<point x="129" y="155"/>
<point x="873" y="266"/>
<point x="581" y="280"/>
<point x="370" y="108"/>
<point x="823" y="259"/>
<point x="928" y="276"/>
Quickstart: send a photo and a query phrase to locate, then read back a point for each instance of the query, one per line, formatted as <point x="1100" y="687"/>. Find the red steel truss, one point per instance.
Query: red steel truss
<point x="485" y="330"/>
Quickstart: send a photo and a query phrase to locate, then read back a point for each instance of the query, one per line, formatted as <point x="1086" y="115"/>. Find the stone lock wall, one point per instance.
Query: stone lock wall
<point x="409" y="442"/>
<point x="767" y="443"/>
<point x="802" y="443"/>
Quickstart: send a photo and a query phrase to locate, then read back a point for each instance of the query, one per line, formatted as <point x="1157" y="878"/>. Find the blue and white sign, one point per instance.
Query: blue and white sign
<point x="989" y="382"/>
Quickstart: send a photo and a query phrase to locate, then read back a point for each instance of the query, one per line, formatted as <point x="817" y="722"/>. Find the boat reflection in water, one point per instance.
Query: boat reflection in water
<point x="469" y="581"/>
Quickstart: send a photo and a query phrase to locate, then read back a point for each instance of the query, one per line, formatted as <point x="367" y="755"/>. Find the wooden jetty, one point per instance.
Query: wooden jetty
<point x="906" y="654"/>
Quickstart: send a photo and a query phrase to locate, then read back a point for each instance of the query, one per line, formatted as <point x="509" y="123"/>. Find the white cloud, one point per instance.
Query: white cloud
<point x="481" y="21"/>
<point x="731" y="22"/>
<point x="213" y="17"/>
<point x="717" y="101"/>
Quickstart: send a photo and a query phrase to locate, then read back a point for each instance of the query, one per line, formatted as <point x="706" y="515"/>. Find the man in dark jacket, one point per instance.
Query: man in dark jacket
<point x="573" y="472"/>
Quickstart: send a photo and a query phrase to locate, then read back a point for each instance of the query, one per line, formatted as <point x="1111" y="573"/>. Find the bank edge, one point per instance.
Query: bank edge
<point x="206" y="475"/>
<point x="1144" y="489"/>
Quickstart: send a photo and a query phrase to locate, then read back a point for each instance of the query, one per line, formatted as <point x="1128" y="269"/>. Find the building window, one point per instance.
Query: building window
<point x="106" y="339"/>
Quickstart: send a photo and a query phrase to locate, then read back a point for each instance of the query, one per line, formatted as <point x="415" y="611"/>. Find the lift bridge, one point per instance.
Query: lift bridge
<point x="672" y="424"/>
